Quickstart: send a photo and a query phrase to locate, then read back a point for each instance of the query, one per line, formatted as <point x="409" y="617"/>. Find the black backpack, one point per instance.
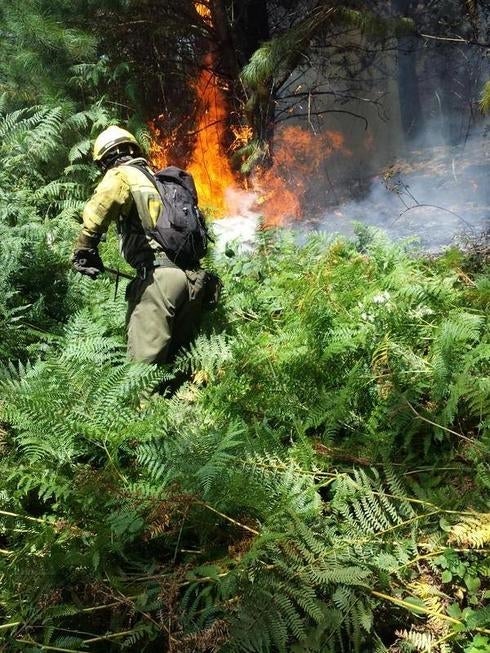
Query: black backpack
<point x="180" y="228"/>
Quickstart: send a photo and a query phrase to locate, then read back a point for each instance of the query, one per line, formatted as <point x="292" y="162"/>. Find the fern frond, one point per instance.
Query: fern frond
<point x="206" y="356"/>
<point x="420" y="641"/>
<point x="471" y="532"/>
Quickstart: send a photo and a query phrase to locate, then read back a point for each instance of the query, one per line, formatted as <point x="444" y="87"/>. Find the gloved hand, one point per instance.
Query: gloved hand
<point x="212" y="291"/>
<point x="88" y="261"/>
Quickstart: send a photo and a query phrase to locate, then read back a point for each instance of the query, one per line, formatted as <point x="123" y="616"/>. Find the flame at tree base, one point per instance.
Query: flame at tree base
<point x="298" y="157"/>
<point x="208" y="162"/>
<point x="278" y="193"/>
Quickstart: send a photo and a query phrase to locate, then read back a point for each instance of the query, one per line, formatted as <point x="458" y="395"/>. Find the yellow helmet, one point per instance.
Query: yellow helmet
<point x="109" y="139"/>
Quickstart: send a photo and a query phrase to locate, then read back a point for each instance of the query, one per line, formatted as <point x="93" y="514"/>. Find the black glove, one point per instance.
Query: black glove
<point x="88" y="261"/>
<point x="212" y="291"/>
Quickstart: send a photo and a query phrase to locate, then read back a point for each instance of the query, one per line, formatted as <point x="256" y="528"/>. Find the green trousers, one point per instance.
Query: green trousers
<point x="164" y="312"/>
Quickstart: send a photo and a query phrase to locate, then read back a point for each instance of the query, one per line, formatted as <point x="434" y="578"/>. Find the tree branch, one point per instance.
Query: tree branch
<point x="456" y="39"/>
<point x="321" y="113"/>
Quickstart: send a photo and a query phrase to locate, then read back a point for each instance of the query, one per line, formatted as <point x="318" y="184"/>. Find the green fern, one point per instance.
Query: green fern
<point x="285" y="495"/>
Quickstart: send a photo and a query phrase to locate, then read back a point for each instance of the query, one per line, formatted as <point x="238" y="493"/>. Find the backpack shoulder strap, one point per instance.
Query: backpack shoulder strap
<point x="145" y="171"/>
<point x="172" y="174"/>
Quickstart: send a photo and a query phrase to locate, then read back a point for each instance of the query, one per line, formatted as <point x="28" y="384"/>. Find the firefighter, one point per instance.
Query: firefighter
<point x="164" y="300"/>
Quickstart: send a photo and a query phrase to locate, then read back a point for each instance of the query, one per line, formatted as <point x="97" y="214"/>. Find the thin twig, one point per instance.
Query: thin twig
<point x="45" y="647"/>
<point x="440" y="208"/>
<point x="201" y="129"/>
<point x="456" y="39"/>
<point x="26" y="517"/>
<point x="12" y="624"/>
<point x="321" y="113"/>
<point x="205" y="579"/>
<point x="424" y="610"/>
<point x="103" y="638"/>
<point x="230" y="519"/>
<point x="432" y="554"/>
<point x="445" y="638"/>
<point x="105" y="606"/>
<point x="439" y="426"/>
<point x="180" y="535"/>
<point x="418" y="608"/>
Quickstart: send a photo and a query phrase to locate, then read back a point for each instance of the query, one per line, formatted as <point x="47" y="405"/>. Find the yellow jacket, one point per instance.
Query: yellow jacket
<point x="128" y="198"/>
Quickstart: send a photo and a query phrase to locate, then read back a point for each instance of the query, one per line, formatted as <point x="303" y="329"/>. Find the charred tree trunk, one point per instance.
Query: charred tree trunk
<point x="249" y="20"/>
<point x="408" y="85"/>
<point x="240" y="27"/>
<point x="252" y="30"/>
<point x="227" y="56"/>
<point x="251" y="27"/>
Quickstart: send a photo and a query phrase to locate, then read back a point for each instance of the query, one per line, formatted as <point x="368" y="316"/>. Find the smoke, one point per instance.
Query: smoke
<point x="438" y="195"/>
<point x="237" y="232"/>
<point x="420" y="174"/>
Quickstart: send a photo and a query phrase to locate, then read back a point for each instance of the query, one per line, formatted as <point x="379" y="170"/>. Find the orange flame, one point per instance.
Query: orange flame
<point x="298" y="156"/>
<point x="203" y="10"/>
<point x="280" y="190"/>
<point x="209" y="164"/>
<point x="160" y="145"/>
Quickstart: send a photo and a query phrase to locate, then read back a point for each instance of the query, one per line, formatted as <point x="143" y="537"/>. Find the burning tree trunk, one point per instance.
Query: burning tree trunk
<point x="251" y="31"/>
<point x="269" y="67"/>
<point x="241" y="27"/>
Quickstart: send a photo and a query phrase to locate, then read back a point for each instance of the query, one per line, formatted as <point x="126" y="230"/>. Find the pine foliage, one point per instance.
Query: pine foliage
<point x="485" y="98"/>
<point x="284" y="52"/>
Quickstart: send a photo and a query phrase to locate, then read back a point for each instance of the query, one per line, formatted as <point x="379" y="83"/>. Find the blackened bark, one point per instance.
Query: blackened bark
<point x="251" y="27"/>
<point x="241" y="27"/>
<point x="224" y="45"/>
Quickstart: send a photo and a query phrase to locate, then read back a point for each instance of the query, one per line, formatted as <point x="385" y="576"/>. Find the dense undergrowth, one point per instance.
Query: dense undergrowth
<point x="313" y="477"/>
<point x="314" y="474"/>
